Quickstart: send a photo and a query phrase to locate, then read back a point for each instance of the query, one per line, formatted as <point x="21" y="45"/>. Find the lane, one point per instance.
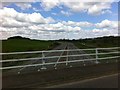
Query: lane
<point x="72" y="46"/>
<point x="110" y="81"/>
<point x="30" y="77"/>
<point x="63" y="46"/>
<point x="42" y="79"/>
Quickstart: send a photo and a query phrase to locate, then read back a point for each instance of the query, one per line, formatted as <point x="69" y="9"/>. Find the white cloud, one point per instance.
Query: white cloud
<point x="99" y="8"/>
<point x="34" y="25"/>
<point x="54" y="13"/>
<point x="107" y="11"/>
<point x="107" y="24"/>
<point x="66" y="13"/>
<point x="93" y="7"/>
<point x="49" y="4"/>
<point x="80" y="24"/>
<point x="36" y="9"/>
<point x="105" y="32"/>
<point x="8" y="16"/>
<point x="23" y="5"/>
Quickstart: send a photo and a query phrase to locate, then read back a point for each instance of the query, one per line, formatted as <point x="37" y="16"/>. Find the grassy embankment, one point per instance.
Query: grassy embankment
<point x="101" y="42"/>
<point x="22" y="45"/>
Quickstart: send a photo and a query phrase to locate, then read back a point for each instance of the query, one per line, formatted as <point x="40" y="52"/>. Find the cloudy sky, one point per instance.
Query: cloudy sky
<point x="58" y="19"/>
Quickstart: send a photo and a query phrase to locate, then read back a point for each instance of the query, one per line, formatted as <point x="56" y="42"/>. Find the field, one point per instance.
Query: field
<point x="62" y="74"/>
<point x="18" y="45"/>
<point x="101" y="42"/>
<point x="25" y="44"/>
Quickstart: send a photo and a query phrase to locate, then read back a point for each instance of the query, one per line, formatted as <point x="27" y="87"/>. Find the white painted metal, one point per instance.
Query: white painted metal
<point x="43" y="61"/>
<point x="96" y="56"/>
<point x="43" y="51"/>
<point x="57" y="51"/>
<point x="52" y="63"/>
<point x="57" y="62"/>
<point x="109" y="57"/>
<point x="109" y="48"/>
<point x="109" y="53"/>
<point x="38" y="58"/>
<point x="67" y="56"/>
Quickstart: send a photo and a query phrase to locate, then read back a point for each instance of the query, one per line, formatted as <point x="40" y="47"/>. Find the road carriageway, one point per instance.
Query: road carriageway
<point x="65" y="61"/>
<point x="65" y="55"/>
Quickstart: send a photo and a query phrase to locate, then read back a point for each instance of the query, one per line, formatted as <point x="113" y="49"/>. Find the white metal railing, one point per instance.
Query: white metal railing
<point x="28" y="52"/>
<point x="43" y="58"/>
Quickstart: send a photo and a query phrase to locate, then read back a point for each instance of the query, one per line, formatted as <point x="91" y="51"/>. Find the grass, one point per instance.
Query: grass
<point x="101" y="42"/>
<point x="23" y="45"/>
<point x="19" y="45"/>
<point x="104" y="42"/>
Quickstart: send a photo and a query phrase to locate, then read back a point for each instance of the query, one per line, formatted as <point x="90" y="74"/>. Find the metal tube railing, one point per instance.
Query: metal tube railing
<point x="97" y="53"/>
<point x="52" y="63"/>
<point x="38" y="58"/>
<point x="49" y="57"/>
<point x="58" y="50"/>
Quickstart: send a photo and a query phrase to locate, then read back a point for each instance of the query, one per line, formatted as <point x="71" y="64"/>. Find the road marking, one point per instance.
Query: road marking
<point x="59" y="57"/>
<point x="77" y="82"/>
<point x="36" y="61"/>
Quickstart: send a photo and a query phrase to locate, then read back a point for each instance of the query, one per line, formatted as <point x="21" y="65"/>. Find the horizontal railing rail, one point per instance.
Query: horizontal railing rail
<point x="49" y="57"/>
<point x="52" y="63"/>
<point x="38" y="58"/>
<point x="28" y="52"/>
<point x="44" y="51"/>
<point x="43" y="58"/>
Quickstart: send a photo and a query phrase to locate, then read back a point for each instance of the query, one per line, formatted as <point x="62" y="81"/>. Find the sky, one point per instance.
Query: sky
<point x="58" y="19"/>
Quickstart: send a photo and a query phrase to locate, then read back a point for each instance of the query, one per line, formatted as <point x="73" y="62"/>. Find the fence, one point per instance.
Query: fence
<point x="54" y="57"/>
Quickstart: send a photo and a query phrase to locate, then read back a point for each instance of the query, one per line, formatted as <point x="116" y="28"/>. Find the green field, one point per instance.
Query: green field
<point x="18" y="45"/>
<point x="101" y="42"/>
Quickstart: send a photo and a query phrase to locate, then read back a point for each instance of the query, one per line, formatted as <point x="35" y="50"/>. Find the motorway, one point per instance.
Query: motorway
<point x="58" y="76"/>
<point x="37" y="77"/>
<point x="109" y="81"/>
<point x="63" y="46"/>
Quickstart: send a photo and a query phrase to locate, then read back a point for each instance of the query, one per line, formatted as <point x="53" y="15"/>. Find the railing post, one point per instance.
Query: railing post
<point x="96" y="51"/>
<point x="67" y="57"/>
<point x="43" y="61"/>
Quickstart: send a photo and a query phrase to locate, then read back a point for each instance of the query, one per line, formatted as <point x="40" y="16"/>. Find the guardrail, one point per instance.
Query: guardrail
<point x="45" y="57"/>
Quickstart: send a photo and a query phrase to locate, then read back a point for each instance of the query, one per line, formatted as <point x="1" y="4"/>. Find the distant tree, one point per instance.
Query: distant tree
<point x="18" y="37"/>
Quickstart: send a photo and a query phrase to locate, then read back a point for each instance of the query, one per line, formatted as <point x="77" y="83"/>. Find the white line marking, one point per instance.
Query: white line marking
<point x="77" y="82"/>
<point x="59" y="57"/>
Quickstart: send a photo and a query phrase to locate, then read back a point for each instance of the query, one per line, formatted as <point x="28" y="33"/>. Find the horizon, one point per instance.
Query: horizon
<point x="20" y="37"/>
<point x="54" y="20"/>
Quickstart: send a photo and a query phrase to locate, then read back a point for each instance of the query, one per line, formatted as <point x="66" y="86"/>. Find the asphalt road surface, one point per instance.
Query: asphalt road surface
<point x="63" y="46"/>
<point x="110" y="81"/>
<point x="53" y="77"/>
<point x="31" y="77"/>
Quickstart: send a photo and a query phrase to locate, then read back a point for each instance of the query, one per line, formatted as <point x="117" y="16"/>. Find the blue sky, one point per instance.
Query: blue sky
<point x="76" y="16"/>
<point x="76" y="20"/>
